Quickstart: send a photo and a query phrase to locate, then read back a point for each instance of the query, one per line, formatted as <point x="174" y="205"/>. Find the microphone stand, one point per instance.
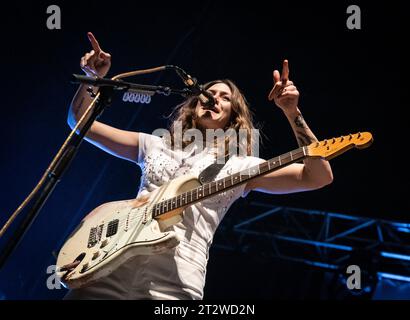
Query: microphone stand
<point x="106" y="89"/>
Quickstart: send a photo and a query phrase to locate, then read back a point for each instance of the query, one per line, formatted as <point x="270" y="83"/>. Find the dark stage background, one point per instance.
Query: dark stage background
<point x="350" y="81"/>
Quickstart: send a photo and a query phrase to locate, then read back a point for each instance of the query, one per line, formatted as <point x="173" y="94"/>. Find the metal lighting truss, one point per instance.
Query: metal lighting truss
<point x="326" y="240"/>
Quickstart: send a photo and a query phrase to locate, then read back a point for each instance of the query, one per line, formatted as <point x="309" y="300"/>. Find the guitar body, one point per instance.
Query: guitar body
<point x="116" y="231"/>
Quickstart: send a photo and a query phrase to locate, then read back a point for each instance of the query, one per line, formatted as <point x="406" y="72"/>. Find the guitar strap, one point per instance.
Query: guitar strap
<point x="211" y="171"/>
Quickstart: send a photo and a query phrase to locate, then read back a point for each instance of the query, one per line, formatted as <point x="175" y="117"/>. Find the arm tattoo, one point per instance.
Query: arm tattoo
<point x="300" y="122"/>
<point x="304" y="139"/>
<point x="302" y="142"/>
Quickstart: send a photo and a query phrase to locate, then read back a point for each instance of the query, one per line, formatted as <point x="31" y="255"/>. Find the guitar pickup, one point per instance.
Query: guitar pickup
<point x="112" y="228"/>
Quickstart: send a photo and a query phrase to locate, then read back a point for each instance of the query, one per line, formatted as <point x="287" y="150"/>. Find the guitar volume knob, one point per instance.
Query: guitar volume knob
<point x="104" y="243"/>
<point x="85" y="267"/>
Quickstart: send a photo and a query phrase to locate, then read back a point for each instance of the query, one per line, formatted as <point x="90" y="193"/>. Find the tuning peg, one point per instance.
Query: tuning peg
<point x="342" y="138"/>
<point x="333" y="140"/>
<point x="359" y="134"/>
<point x="325" y="143"/>
<point x="350" y="136"/>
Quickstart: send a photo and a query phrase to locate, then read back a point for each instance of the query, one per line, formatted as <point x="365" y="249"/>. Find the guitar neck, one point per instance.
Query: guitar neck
<point x="212" y="188"/>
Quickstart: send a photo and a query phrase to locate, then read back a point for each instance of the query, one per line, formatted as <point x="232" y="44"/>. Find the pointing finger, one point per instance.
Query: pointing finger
<point x="285" y="71"/>
<point x="94" y="42"/>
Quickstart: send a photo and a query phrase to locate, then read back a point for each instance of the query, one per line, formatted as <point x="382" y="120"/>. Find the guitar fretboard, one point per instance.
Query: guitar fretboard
<point x="211" y="188"/>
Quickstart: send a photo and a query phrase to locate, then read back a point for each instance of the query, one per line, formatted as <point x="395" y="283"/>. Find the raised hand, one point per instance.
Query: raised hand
<point x="96" y="62"/>
<point x="284" y="93"/>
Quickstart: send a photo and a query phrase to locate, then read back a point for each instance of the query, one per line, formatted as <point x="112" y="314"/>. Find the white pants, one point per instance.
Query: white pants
<point x="178" y="274"/>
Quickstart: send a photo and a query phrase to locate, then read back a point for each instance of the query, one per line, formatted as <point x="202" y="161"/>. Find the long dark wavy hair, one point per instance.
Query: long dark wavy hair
<point x="241" y="115"/>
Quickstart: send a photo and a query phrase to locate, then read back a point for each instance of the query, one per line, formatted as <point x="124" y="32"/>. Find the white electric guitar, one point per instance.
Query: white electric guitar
<point x="116" y="231"/>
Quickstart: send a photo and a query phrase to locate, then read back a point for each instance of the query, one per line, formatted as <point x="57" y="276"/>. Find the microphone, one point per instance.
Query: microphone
<point x="206" y="98"/>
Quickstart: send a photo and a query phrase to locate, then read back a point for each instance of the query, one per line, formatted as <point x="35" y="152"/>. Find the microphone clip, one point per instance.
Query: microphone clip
<point x="195" y="89"/>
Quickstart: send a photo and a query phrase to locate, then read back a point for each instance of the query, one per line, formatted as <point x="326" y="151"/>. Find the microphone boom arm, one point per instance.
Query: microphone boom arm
<point x="120" y="85"/>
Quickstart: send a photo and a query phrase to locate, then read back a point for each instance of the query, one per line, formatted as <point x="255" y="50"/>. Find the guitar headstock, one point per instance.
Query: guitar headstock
<point x="331" y="148"/>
